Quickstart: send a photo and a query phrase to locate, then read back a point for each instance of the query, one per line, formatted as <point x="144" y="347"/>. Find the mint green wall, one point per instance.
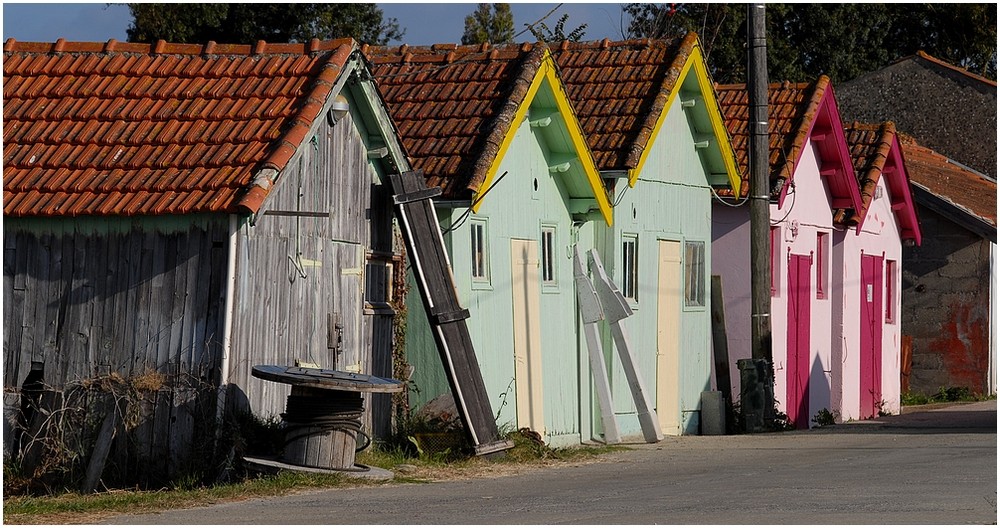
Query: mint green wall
<point x="670" y="201"/>
<point x="516" y="208"/>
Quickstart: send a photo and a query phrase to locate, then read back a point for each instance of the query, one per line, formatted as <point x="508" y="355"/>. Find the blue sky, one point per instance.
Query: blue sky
<point x="425" y="23"/>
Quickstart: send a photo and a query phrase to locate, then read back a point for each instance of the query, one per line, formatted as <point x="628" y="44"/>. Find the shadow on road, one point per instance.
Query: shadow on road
<point x="960" y="418"/>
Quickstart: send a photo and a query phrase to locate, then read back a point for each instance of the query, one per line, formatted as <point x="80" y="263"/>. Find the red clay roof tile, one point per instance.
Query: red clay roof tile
<point x="791" y="108"/>
<point x="453" y="105"/>
<point x="121" y="128"/>
<point x="950" y="180"/>
<point x="619" y="89"/>
<point x="872" y="146"/>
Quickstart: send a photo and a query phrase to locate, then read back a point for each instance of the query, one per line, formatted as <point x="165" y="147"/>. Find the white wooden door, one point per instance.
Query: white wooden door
<point x="526" y="294"/>
<point x="668" y="323"/>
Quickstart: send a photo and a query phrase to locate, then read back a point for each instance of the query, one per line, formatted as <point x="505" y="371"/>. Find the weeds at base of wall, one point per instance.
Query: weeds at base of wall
<point x="825" y="417"/>
<point x="103" y="432"/>
<point x="944" y="395"/>
<point x="778" y="421"/>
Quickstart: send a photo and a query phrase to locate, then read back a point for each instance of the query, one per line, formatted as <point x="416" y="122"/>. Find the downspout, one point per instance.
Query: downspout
<point x="992" y="378"/>
<point x="227" y="328"/>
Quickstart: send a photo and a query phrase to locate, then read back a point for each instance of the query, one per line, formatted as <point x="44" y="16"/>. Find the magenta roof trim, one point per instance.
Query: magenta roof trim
<point x="846" y="184"/>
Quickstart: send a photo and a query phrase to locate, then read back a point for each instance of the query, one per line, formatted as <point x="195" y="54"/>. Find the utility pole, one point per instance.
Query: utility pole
<point x="756" y="377"/>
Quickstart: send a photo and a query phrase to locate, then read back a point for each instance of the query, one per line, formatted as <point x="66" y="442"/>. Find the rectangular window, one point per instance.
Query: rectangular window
<point x="548" y="255"/>
<point x="890" y="291"/>
<point x="480" y="254"/>
<point x="822" y="266"/>
<point x="630" y="267"/>
<point x="694" y="274"/>
<point x="775" y="259"/>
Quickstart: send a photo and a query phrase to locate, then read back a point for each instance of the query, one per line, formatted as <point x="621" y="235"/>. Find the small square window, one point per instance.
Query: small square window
<point x="630" y="267"/>
<point x="548" y="255"/>
<point x="480" y="254"/>
<point x="694" y="274"/>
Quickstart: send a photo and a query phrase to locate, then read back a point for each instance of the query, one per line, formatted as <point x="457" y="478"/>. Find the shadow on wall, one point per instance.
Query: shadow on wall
<point x="820" y="391"/>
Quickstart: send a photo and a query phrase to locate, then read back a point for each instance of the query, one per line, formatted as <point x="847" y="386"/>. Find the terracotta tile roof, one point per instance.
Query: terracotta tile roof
<point x="876" y="156"/>
<point x="790" y="112"/>
<point x="138" y="129"/>
<point x="453" y="105"/>
<point x="796" y="113"/>
<point x="619" y="90"/>
<point x="964" y="188"/>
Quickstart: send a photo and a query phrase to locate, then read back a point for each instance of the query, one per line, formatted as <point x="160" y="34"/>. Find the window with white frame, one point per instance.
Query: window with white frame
<point x="548" y="255"/>
<point x="630" y="267"/>
<point x="694" y="273"/>
<point x="480" y="251"/>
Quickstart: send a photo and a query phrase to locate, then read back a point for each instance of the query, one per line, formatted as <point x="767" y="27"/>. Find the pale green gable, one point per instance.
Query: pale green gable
<point x="540" y="182"/>
<point x="671" y="200"/>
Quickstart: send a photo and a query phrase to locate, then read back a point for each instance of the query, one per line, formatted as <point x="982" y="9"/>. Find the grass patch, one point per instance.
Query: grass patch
<point x="408" y="467"/>
<point x="943" y="395"/>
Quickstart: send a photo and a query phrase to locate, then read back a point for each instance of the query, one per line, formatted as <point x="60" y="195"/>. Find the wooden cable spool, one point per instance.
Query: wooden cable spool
<point x="322" y="418"/>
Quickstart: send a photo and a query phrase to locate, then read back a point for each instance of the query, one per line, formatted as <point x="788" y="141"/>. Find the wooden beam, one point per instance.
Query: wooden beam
<point x="432" y="270"/>
<point x="615" y="309"/>
<point x="590" y="312"/>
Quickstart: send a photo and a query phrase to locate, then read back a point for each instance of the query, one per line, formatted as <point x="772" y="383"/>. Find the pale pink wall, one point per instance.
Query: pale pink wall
<point x="731" y="261"/>
<point x="804" y="214"/>
<point x="880" y="236"/>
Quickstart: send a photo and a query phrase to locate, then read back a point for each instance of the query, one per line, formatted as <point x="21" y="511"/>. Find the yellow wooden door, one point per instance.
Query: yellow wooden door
<point x="668" y="315"/>
<point x="527" y="334"/>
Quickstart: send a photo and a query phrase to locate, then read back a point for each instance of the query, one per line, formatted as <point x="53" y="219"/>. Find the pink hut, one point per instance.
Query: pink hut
<point x="812" y="177"/>
<point x="867" y="282"/>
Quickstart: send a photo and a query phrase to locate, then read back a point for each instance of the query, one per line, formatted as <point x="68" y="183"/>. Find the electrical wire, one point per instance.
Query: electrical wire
<point x="465" y="216"/>
<point x="471" y="56"/>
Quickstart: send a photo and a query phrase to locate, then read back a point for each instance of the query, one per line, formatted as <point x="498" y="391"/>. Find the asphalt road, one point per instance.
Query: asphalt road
<point x="935" y="466"/>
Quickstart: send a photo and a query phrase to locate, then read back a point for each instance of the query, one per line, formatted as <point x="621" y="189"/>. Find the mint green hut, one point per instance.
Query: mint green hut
<point x="649" y="112"/>
<point x="494" y="129"/>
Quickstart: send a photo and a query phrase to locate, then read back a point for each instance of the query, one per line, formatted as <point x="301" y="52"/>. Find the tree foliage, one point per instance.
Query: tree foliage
<point x="493" y="23"/>
<point x="840" y="40"/>
<point x="248" y="23"/>
<point x="558" y="33"/>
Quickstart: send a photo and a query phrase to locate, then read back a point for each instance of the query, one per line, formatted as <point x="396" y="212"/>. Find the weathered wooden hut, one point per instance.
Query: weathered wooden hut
<point x="867" y="280"/>
<point x="493" y="128"/>
<point x="184" y="212"/>
<point x="649" y="113"/>
<point x="811" y="176"/>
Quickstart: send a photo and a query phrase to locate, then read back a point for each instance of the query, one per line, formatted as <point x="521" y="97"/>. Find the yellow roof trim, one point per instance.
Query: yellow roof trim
<point x="696" y="61"/>
<point x="547" y="72"/>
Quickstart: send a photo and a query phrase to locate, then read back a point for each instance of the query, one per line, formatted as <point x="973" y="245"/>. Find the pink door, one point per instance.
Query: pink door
<point x="797" y="363"/>
<point x="871" y="335"/>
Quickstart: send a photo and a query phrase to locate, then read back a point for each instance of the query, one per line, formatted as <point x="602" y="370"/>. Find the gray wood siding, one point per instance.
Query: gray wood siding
<point x="90" y="298"/>
<point x="316" y="256"/>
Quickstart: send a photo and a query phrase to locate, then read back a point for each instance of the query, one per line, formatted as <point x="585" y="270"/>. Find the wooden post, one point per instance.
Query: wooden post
<point x="760" y="223"/>
<point x="426" y="249"/>
<point x="615" y="309"/>
<point x="590" y="311"/>
<point x="109" y="428"/>
<point x="720" y="343"/>
<point x="906" y="362"/>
